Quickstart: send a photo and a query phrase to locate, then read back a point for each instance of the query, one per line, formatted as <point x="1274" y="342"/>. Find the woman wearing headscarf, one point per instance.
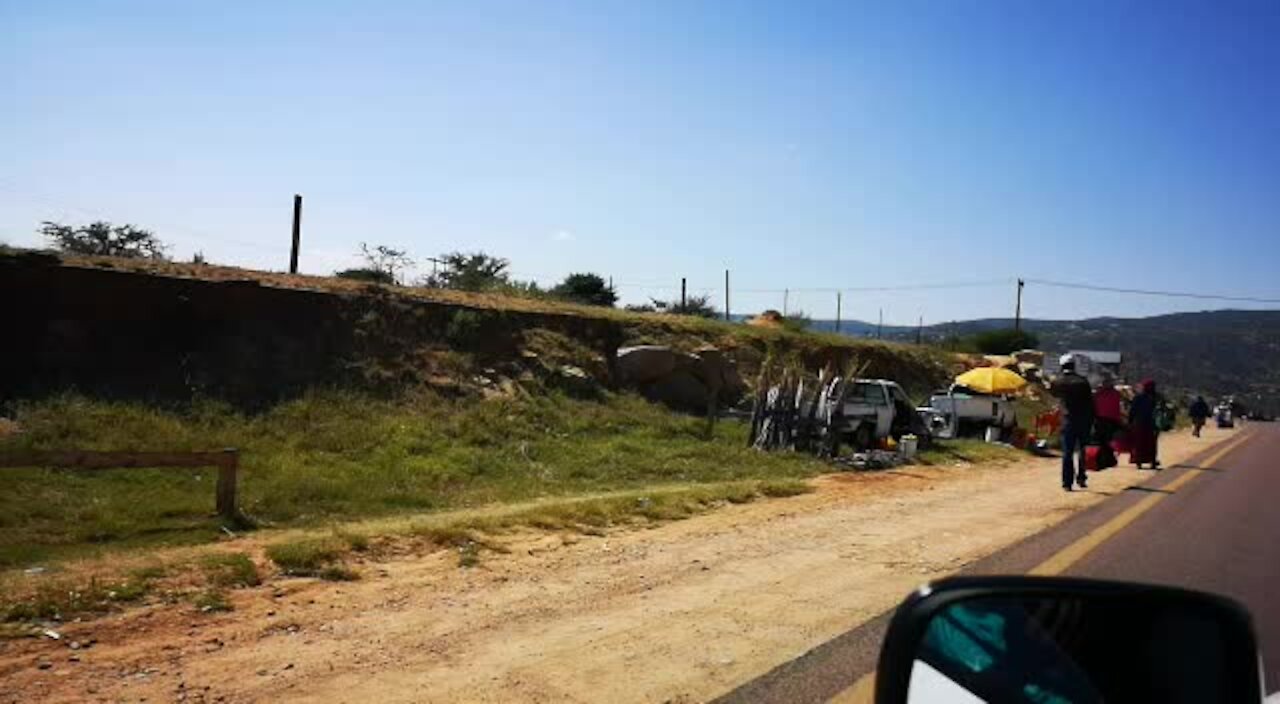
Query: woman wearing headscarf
<point x="1108" y="419"/>
<point x="1143" y="432"/>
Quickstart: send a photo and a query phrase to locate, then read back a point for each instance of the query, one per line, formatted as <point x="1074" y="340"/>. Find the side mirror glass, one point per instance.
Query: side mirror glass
<point x="1060" y="641"/>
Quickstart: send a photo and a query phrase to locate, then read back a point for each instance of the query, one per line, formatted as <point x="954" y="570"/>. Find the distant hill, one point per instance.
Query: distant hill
<point x="1211" y="352"/>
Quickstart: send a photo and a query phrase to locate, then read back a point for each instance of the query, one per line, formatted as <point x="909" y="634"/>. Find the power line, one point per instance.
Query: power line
<point x="899" y="287"/>
<point x="1147" y="292"/>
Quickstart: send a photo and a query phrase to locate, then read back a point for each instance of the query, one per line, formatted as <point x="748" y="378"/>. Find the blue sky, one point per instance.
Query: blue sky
<point x="803" y="145"/>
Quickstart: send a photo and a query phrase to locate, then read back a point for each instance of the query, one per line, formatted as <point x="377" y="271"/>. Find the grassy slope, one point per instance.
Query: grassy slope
<point x="331" y="456"/>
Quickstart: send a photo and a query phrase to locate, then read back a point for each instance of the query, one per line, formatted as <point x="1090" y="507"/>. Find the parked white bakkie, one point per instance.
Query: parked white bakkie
<point x="876" y="409"/>
<point x="961" y="411"/>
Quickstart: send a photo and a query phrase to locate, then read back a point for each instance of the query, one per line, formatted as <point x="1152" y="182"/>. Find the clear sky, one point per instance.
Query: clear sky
<point x="802" y="145"/>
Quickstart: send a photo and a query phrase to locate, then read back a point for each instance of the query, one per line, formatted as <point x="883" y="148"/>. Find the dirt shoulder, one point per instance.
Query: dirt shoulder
<point x="680" y="612"/>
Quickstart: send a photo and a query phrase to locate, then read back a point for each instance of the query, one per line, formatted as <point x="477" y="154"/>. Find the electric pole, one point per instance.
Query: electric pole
<point x="838" y="311"/>
<point x="726" y="295"/>
<point x="297" y="234"/>
<point x="919" y="329"/>
<point x="786" y="293"/>
<point x="684" y="306"/>
<point x="880" y="324"/>
<point x="1017" y="311"/>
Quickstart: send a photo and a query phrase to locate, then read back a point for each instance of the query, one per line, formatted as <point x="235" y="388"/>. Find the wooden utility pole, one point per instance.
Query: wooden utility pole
<point x="683" y="302"/>
<point x="1017" y="311"/>
<point x="919" y="329"/>
<point x="838" y="311"/>
<point x="880" y="323"/>
<point x="726" y="295"/>
<point x="786" y="294"/>
<point x="297" y="233"/>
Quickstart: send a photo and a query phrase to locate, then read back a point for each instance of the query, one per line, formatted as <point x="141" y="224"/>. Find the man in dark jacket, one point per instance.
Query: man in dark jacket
<point x="1199" y="411"/>
<point x="1075" y="397"/>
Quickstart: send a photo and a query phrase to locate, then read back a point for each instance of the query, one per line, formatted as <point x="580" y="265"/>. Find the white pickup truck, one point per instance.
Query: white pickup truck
<point x="959" y="411"/>
<point x="876" y="408"/>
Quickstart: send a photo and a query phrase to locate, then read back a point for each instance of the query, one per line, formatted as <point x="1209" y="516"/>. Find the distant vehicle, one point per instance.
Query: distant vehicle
<point x="875" y="409"/>
<point x="959" y="411"/>
<point x="1223" y="415"/>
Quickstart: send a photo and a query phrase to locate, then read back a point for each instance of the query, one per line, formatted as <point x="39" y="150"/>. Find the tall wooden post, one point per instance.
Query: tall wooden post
<point x="1017" y="311"/>
<point x="880" y="324"/>
<point x="297" y="234"/>
<point x="727" y="318"/>
<point x="919" y="329"/>
<point x="786" y="294"/>
<point x="838" y="302"/>
<point x="225" y="492"/>
<point x="684" y="307"/>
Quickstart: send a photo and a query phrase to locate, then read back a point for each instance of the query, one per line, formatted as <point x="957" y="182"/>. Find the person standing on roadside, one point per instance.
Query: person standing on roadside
<point x="1143" y="430"/>
<point x="1199" y="412"/>
<point x="1108" y="419"/>
<point x="1076" y="400"/>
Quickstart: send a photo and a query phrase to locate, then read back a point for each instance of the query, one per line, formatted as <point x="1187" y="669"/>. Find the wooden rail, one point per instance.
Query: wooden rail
<point x="227" y="461"/>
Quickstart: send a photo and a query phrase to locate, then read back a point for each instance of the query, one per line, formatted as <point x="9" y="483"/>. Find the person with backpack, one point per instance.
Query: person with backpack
<point x="1075" y="396"/>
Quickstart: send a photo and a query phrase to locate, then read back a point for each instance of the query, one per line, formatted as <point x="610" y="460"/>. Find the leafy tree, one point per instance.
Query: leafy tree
<point x="104" y="239"/>
<point x="474" y="271"/>
<point x="698" y="305"/>
<point x="384" y="262"/>
<point x="590" y="289"/>
<point x="365" y="274"/>
<point x="1003" y="341"/>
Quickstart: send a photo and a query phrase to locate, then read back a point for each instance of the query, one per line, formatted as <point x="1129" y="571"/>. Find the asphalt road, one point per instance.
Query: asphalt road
<point x="1218" y="531"/>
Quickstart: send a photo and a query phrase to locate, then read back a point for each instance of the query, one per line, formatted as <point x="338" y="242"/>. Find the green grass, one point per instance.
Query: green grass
<point x="307" y="556"/>
<point x="230" y="570"/>
<point x="211" y="601"/>
<point x="63" y="598"/>
<point x="969" y="451"/>
<point x="314" y="557"/>
<point x="332" y="456"/>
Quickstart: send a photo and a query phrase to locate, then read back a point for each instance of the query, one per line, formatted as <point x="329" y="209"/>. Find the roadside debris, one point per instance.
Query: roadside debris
<point x="873" y="459"/>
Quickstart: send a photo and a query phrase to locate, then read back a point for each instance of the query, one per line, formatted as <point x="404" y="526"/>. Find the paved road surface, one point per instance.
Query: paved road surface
<point x="1218" y="531"/>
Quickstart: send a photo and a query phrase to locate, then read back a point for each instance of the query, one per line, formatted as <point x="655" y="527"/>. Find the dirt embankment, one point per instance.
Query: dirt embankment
<point x="166" y="332"/>
<point x="681" y="612"/>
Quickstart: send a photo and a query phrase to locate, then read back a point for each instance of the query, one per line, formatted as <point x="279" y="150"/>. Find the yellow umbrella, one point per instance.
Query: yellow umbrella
<point x="991" y="380"/>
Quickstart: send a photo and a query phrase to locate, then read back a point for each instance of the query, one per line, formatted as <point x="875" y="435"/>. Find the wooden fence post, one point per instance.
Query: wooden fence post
<point x="228" y="468"/>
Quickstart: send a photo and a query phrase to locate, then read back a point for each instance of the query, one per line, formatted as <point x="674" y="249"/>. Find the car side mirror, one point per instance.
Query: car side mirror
<point x="1060" y="640"/>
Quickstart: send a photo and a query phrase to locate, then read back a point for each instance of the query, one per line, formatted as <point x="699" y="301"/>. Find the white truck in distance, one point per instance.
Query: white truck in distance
<point x="959" y="411"/>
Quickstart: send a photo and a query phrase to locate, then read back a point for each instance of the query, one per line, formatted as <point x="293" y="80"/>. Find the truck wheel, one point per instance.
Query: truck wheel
<point x="862" y="437"/>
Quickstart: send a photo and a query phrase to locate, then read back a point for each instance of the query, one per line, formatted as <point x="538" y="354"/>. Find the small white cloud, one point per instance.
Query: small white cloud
<point x="562" y="236"/>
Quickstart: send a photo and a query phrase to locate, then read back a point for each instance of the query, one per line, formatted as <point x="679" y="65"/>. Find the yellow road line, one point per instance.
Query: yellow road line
<point x="1073" y="553"/>
<point x="863" y="690"/>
